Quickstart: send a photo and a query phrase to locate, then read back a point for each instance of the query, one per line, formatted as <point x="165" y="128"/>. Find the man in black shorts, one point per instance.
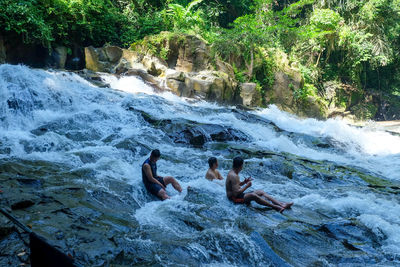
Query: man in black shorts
<point x="156" y="184"/>
<point x="235" y="191"/>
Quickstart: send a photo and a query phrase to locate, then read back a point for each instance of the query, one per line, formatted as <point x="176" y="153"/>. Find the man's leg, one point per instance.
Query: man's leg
<point x="257" y="198"/>
<point x="171" y="180"/>
<point x="162" y="194"/>
<point x="276" y="202"/>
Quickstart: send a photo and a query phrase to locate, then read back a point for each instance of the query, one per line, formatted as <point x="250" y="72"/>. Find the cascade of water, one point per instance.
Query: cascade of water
<point x="325" y="166"/>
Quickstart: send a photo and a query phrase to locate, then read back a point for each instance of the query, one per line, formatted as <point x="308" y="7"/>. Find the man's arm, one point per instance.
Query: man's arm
<point x="245" y="181"/>
<point x="242" y="189"/>
<point x="147" y="171"/>
<point x="219" y="176"/>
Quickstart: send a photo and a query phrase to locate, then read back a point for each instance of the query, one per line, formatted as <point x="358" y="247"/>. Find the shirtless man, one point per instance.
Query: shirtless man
<point x="235" y="191"/>
<point x="212" y="172"/>
<point x="156" y="184"/>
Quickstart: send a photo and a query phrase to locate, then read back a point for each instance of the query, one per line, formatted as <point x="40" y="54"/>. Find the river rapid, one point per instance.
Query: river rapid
<point x="81" y="147"/>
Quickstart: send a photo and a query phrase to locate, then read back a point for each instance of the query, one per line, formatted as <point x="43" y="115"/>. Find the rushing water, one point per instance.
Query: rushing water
<point x="344" y="180"/>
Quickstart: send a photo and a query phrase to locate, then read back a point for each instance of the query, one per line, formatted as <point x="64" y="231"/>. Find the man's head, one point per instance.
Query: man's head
<point x="238" y="163"/>
<point x="155" y="155"/>
<point x="213" y="163"/>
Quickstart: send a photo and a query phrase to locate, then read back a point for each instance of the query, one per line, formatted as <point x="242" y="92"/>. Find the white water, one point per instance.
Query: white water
<point x="86" y="115"/>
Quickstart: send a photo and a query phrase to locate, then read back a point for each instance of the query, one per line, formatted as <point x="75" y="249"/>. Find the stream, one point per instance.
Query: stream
<point x="73" y="152"/>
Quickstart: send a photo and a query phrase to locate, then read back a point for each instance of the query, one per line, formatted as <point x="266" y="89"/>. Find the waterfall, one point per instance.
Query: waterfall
<point x="343" y="179"/>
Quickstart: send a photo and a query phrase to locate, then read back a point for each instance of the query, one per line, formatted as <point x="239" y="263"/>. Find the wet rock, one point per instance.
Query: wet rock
<point x="134" y="146"/>
<point x="22" y="204"/>
<point x="147" y="77"/>
<point x="268" y="252"/>
<point x="6" y="231"/>
<point x="154" y="65"/>
<point x="199" y="196"/>
<point x="4" y="150"/>
<point x="93" y="78"/>
<point x="80" y="135"/>
<point x="198" y="135"/>
<point x="40" y="131"/>
<point x="37" y="184"/>
<point x="10" y="247"/>
<point x="87" y="157"/>
<point x="189" y="132"/>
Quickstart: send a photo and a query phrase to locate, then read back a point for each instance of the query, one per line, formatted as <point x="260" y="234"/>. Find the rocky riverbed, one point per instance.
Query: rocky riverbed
<point x="70" y="156"/>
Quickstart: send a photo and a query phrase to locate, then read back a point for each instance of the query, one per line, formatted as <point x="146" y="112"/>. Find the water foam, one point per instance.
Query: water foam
<point x="76" y="107"/>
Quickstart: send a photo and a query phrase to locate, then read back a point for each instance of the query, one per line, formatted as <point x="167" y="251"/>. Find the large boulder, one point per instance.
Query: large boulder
<point x="193" y="54"/>
<point x="212" y="85"/>
<point x="92" y="59"/>
<point x="154" y="65"/>
<point x="169" y="61"/>
<point x="282" y="91"/>
<point x="311" y="106"/>
<point x="102" y="59"/>
<point x="57" y="57"/>
<point x="250" y="95"/>
<point x="182" y="131"/>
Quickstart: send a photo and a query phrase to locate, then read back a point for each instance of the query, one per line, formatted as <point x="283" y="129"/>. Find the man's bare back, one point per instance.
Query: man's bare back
<point x="233" y="185"/>
<point x="213" y="175"/>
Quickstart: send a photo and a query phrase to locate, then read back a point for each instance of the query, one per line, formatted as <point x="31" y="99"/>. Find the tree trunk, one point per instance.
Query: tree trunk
<point x="250" y="66"/>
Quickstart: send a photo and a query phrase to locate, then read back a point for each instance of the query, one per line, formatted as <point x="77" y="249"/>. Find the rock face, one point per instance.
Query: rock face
<point x="193" y="54"/>
<point x="102" y="59"/>
<point x="14" y="50"/>
<point x="2" y="51"/>
<point x="350" y="103"/>
<point x="182" y="64"/>
<point x="184" y="68"/>
<point x="250" y="95"/>
<point x="211" y="85"/>
<point x="57" y="57"/>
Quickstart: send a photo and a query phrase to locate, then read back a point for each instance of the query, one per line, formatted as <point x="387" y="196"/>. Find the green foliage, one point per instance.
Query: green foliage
<point x="185" y="18"/>
<point x="364" y="111"/>
<point x="239" y="75"/>
<point x="86" y="22"/>
<point x="324" y="21"/>
<point x="304" y="92"/>
<point x="22" y="17"/>
<point x="156" y="44"/>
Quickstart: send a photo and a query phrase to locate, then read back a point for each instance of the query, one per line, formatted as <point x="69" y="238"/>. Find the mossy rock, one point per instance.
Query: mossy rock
<point x="181" y="51"/>
<point x="364" y="111"/>
<point x="312" y="106"/>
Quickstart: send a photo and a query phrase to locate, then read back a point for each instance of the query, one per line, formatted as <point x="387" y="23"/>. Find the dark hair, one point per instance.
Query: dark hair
<point x="237" y="162"/>
<point x="155" y="153"/>
<point x="212" y="161"/>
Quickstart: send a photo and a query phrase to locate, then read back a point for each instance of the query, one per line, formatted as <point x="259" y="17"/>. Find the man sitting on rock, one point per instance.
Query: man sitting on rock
<point x="156" y="184"/>
<point x="235" y="191"/>
<point x="213" y="173"/>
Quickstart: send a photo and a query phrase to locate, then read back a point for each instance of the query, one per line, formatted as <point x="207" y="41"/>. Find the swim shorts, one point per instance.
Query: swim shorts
<point x="239" y="199"/>
<point x="154" y="188"/>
